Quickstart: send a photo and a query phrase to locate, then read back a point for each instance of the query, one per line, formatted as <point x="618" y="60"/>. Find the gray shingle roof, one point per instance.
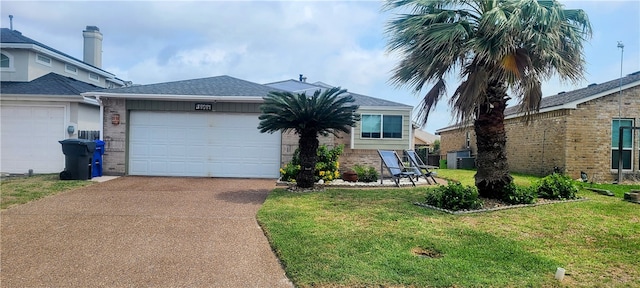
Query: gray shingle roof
<point x="296" y="86"/>
<point x="577" y="95"/>
<point x="582" y="93"/>
<point x="13" y="36"/>
<point x="212" y="86"/>
<point x="50" y="84"/>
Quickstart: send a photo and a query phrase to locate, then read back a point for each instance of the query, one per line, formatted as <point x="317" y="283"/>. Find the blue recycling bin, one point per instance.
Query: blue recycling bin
<point x="96" y="170"/>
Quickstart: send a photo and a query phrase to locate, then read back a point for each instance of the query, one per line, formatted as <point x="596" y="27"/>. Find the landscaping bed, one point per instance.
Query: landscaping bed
<point x="489" y="205"/>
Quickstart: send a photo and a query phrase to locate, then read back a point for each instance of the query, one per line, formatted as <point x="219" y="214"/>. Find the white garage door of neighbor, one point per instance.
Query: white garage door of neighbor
<point x="201" y="144"/>
<point x="29" y="139"/>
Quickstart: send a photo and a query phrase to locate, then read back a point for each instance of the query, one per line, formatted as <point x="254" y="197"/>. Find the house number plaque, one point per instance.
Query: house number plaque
<point x="204" y="107"/>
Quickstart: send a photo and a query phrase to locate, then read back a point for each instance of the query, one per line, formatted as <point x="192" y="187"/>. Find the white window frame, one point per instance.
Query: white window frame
<point x="382" y="126"/>
<point x="45" y="63"/>
<point x="11" y="62"/>
<point x="97" y="79"/>
<point x="630" y="149"/>
<point x="67" y="68"/>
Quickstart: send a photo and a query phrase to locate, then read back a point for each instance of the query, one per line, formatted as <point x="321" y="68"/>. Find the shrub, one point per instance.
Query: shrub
<point x="557" y="186"/>
<point x="366" y="173"/>
<point x="327" y="164"/>
<point x="514" y="194"/>
<point x="289" y="172"/>
<point x="454" y="196"/>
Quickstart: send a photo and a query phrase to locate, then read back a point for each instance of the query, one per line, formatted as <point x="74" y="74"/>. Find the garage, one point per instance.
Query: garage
<point x="29" y="138"/>
<point x="201" y="144"/>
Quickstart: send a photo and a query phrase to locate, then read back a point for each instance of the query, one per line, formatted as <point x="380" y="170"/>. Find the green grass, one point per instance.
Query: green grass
<point x="345" y="237"/>
<point x="20" y="190"/>
<point x="466" y="177"/>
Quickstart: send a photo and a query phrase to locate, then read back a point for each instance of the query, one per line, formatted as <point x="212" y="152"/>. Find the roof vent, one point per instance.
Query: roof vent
<point x="592" y="84"/>
<point x="561" y="92"/>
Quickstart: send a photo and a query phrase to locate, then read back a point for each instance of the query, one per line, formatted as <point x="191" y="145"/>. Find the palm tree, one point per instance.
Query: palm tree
<point x="494" y="46"/>
<point x="308" y="116"/>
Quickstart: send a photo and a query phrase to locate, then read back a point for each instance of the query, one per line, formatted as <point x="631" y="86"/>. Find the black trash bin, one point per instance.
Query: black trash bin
<point x="78" y="155"/>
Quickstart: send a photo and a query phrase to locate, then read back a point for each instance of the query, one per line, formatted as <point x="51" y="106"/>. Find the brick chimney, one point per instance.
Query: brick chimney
<point x="92" y="46"/>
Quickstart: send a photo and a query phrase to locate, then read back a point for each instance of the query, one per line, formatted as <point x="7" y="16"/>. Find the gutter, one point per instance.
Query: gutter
<point x="170" y="97"/>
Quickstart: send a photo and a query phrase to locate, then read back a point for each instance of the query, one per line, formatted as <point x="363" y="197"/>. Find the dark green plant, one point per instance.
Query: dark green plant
<point x="514" y="194"/>
<point x="494" y="47"/>
<point x="454" y="196"/>
<point x="326" y="167"/>
<point x="289" y="171"/>
<point x="557" y="186"/>
<point x="366" y="173"/>
<point x="322" y="113"/>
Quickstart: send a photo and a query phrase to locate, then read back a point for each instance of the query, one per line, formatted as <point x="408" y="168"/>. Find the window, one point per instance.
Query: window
<point x="44" y="60"/>
<point x="627" y="143"/>
<point x="5" y="62"/>
<point x="468" y="139"/>
<point x="94" y="77"/>
<point x="381" y="126"/>
<point x="70" y="69"/>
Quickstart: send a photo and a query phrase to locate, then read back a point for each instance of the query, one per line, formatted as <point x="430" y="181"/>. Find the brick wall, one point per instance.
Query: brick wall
<point x="348" y="158"/>
<point x="574" y="140"/>
<point x="538" y="146"/>
<point x="589" y="136"/>
<point x="114" y="136"/>
<point x="456" y="140"/>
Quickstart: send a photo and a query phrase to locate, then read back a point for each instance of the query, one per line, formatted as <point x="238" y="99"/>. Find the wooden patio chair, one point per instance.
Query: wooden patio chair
<point x="395" y="167"/>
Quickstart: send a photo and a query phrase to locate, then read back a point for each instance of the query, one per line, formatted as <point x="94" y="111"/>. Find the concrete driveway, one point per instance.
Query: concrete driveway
<point x="142" y="232"/>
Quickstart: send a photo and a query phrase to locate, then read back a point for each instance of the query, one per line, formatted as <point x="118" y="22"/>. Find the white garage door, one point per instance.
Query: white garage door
<point x="29" y="139"/>
<point x="201" y="144"/>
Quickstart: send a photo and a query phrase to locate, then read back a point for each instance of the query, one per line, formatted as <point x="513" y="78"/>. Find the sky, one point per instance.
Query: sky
<point x="342" y="43"/>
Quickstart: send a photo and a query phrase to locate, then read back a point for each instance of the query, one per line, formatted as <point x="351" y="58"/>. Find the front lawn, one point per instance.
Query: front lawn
<point x="377" y="237"/>
<point x="20" y="190"/>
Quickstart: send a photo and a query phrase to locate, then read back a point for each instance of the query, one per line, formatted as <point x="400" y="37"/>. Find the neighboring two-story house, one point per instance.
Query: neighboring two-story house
<point x="40" y="99"/>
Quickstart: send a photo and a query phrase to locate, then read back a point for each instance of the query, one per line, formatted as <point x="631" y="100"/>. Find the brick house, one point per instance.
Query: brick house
<point x="208" y="128"/>
<point x="575" y="131"/>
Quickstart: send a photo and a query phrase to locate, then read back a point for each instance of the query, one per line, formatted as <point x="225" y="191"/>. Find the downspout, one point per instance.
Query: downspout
<point x="101" y="118"/>
<point x="544" y="138"/>
<point x="353" y="138"/>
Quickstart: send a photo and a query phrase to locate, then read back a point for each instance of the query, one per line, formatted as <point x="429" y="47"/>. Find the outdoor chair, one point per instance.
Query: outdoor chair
<point x="416" y="161"/>
<point x="395" y="167"/>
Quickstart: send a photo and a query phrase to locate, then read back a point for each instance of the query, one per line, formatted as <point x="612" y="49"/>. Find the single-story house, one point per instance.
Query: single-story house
<point x="574" y="131"/>
<point x="208" y="128"/>
<point x="384" y="125"/>
<point x="40" y="101"/>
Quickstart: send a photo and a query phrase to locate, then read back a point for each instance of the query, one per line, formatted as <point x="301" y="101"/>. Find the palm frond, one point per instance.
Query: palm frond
<point x="321" y="113"/>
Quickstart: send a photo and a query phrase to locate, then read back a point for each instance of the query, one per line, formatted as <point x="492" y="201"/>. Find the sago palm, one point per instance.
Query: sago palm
<point x="494" y="46"/>
<point x="308" y="116"/>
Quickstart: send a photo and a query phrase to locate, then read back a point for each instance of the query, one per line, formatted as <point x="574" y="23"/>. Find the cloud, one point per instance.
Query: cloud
<point x="337" y="42"/>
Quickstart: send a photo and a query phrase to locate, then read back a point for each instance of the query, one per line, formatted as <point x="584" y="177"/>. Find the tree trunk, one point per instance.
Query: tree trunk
<point x="308" y="144"/>
<point x="493" y="169"/>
